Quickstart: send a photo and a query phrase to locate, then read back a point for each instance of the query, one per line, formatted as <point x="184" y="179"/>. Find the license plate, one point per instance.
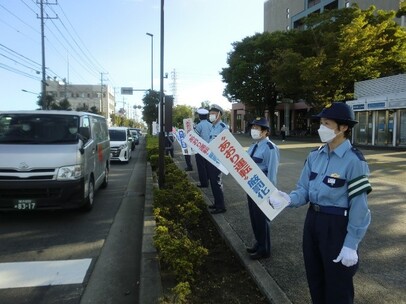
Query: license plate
<point x="25" y="204"/>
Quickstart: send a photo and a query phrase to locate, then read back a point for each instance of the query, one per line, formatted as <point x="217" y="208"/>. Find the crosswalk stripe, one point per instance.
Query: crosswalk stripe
<point x="43" y="273"/>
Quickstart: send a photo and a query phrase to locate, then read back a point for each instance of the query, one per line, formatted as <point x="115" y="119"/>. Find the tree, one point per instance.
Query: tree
<point x="85" y="108"/>
<point x="179" y="113"/>
<point x="64" y="104"/>
<point x="150" y="110"/>
<point x="249" y="77"/>
<point x="46" y="103"/>
<point x="350" y="45"/>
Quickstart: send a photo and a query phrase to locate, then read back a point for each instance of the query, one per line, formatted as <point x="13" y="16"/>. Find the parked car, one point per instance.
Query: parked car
<point x="52" y="159"/>
<point x="136" y="137"/>
<point x="120" y="144"/>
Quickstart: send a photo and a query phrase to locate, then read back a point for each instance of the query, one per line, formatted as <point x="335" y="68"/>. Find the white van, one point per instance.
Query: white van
<point x="120" y="143"/>
<point x="52" y="159"/>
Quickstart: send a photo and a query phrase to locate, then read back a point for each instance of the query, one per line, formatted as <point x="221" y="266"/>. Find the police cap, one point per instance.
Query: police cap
<point x="260" y="121"/>
<point x="202" y="111"/>
<point x="217" y="108"/>
<point x="339" y="112"/>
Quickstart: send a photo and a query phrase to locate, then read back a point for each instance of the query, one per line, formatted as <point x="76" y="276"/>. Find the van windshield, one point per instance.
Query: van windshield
<point x="38" y="128"/>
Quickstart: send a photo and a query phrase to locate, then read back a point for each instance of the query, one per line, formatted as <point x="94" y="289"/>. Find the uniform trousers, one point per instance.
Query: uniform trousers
<point x="260" y="227"/>
<point x="216" y="185"/>
<point x="201" y="164"/>
<point x="323" y="238"/>
<point x="188" y="161"/>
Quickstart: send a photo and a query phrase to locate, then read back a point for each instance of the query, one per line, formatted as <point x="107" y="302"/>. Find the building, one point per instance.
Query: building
<point x="380" y="108"/>
<point x="281" y="15"/>
<point x="284" y="15"/>
<point x="99" y="96"/>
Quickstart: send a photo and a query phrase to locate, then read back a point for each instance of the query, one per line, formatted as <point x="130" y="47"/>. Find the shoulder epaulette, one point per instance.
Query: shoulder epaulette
<point x="222" y="124"/>
<point x="270" y="145"/>
<point x="358" y="153"/>
<point x="317" y="149"/>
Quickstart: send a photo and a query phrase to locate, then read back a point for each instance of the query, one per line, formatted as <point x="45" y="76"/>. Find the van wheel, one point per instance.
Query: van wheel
<point x="90" y="197"/>
<point x="106" y="178"/>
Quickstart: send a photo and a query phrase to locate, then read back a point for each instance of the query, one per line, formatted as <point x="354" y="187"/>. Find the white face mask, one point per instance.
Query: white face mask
<point x="212" y="117"/>
<point x="255" y="134"/>
<point x="73" y="130"/>
<point x="326" y="134"/>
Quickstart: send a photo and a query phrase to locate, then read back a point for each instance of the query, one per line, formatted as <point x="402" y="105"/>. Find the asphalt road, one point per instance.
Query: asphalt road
<point x="98" y="252"/>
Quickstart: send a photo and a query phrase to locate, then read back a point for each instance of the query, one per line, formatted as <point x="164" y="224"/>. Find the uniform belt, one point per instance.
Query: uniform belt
<point x="329" y="209"/>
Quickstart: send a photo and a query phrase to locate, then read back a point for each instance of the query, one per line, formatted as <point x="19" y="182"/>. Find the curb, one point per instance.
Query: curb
<point x="150" y="278"/>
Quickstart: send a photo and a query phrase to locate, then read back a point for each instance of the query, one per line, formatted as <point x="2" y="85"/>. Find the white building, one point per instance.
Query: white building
<point x="99" y="96"/>
<point x="380" y="108"/>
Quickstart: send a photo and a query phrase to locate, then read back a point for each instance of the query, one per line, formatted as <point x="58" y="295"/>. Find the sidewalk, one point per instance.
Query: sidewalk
<point x="281" y="278"/>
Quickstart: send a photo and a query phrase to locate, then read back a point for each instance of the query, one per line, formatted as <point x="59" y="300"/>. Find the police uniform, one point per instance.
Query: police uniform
<point x="203" y="129"/>
<point x="215" y="174"/>
<point x="335" y="184"/>
<point x="266" y="155"/>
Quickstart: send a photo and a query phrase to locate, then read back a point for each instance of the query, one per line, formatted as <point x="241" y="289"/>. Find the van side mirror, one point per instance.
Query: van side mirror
<point x="84" y="132"/>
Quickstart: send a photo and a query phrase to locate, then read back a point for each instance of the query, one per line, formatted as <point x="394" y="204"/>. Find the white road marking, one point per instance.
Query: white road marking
<point x="44" y="273"/>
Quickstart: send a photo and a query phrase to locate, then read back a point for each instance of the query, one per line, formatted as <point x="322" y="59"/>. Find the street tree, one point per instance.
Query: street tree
<point x="249" y="78"/>
<point x="150" y="109"/>
<point x="349" y="45"/>
<point x="179" y="113"/>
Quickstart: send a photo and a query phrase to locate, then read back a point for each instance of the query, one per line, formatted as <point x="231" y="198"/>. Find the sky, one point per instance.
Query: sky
<point x="94" y="39"/>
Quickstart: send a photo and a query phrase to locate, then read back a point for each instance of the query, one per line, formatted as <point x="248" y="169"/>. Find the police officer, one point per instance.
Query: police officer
<point x="334" y="182"/>
<point x="266" y="155"/>
<point x="215" y="174"/>
<point x="203" y="129"/>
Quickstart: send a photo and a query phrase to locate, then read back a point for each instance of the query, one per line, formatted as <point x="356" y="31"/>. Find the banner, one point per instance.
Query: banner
<point x="180" y="135"/>
<point x="199" y="145"/>
<point x="246" y="172"/>
<point x="188" y="126"/>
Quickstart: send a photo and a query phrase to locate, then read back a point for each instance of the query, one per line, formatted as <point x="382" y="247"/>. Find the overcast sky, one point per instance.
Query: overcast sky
<point x="86" y="38"/>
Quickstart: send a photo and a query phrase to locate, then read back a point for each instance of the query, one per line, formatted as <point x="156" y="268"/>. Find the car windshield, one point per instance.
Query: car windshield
<point x="117" y="135"/>
<point x="38" y="128"/>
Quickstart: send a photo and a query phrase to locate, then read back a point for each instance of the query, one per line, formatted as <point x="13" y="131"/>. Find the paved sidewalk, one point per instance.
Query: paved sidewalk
<point x="382" y="274"/>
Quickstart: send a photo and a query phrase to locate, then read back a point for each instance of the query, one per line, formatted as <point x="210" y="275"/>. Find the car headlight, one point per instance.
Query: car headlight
<point x="69" y="173"/>
<point x="123" y="146"/>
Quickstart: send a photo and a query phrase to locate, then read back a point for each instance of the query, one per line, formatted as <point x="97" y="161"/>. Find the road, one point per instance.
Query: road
<point x="80" y="257"/>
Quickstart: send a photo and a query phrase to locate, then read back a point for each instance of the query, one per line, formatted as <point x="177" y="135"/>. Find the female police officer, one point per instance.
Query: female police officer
<point x="266" y="155"/>
<point x="334" y="181"/>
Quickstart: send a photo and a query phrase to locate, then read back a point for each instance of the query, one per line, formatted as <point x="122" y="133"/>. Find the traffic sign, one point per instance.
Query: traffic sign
<point x="127" y="91"/>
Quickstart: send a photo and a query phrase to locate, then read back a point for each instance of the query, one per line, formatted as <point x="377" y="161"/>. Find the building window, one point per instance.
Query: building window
<point x="311" y="3"/>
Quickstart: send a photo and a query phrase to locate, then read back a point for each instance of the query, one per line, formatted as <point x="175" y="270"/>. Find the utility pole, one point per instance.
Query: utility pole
<point x="44" y="83"/>
<point x="101" y="108"/>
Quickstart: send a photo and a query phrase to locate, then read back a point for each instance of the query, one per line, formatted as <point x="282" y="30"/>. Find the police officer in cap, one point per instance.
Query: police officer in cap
<point x="266" y="155"/>
<point x="334" y="183"/>
<point x="203" y="129"/>
<point x="215" y="174"/>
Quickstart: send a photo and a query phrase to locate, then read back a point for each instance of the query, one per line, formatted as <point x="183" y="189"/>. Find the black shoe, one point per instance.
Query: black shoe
<point x="188" y="169"/>
<point x="259" y="255"/>
<point x="217" y="211"/>
<point x="201" y="186"/>
<point x="252" y="249"/>
<point x="212" y="207"/>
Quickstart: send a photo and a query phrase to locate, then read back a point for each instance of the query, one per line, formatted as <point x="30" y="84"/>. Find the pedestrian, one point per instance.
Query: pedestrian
<point x="283" y="132"/>
<point x="266" y="155"/>
<point x="334" y="181"/>
<point x="214" y="174"/>
<point x="169" y="140"/>
<point x="188" y="160"/>
<point x="203" y="129"/>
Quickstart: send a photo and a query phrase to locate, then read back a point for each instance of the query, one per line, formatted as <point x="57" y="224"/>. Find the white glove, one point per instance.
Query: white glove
<point x="275" y="200"/>
<point x="347" y="256"/>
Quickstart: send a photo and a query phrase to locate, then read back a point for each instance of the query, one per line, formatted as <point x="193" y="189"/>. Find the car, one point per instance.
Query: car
<point x="136" y="137"/>
<point x="52" y="159"/>
<point x="120" y="144"/>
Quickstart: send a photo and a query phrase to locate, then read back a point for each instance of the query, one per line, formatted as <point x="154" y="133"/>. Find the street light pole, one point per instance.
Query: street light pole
<point x="161" y="162"/>
<point x="152" y="60"/>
